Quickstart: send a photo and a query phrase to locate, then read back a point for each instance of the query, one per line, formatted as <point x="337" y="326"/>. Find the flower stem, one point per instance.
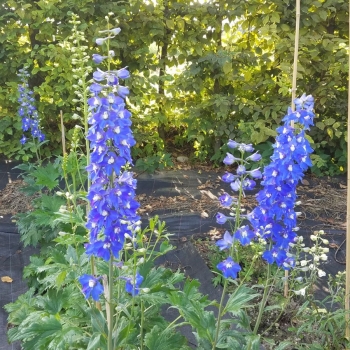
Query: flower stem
<point x="263" y="301"/>
<point x="142" y="321"/>
<point x="219" y="314"/>
<point x="110" y="305"/>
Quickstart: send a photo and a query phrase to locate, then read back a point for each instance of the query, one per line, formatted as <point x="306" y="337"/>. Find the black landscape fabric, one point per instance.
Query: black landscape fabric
<point x="179" y="196"/>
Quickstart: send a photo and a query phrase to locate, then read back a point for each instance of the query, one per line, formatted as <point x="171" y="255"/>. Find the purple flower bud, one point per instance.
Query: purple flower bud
<point x="255" y="174"/>
<point x="100" y="41"/>
<point x="232" y="144"/>
<point x="123" y="73"/>
<point x="254" y="157"/>
<point x="98" y="58"/>
<point x="23" y="140"/>
<point x="248" y="148"/>
<point x="115" y="31"/>
<point x="122" y="91"/>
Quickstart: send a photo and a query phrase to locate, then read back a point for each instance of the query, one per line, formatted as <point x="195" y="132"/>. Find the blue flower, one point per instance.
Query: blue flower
<point x="254" y="157"/>
<point x="228" y="177"/>
<point x="226" y="242"/>
<point x="241" y="170"/>
<point x="98" y="58"/>
<point x="132" y="285"/>
<point x="27" y="111"/>
<point x="232" y="144"/>
<point x="221" y="218"/>
<point x="230" y="159"/>
<point x="229" y="268"/>
<point x="113" y="211"/>
<point x="244" y="234"/>
<point x="226" y="200"/>
<point x="91" y="287"/>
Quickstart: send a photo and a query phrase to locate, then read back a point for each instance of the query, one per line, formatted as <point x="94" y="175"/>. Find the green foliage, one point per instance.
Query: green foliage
<point x="201" y="73"/>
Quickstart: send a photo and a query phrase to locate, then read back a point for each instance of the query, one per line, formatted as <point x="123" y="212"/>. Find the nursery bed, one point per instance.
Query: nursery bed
<point x="185" y="200"/>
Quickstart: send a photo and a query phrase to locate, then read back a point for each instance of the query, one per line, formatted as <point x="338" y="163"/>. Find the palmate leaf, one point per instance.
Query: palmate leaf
<point x="37" y="334"/>
<point x="47" y="176"/>
<point x="158" y="339"/>
<point x="239" y="299"/>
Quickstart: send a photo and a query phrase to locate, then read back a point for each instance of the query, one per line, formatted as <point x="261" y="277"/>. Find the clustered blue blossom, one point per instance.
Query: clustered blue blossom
<point x="113" y="213"/>
<point x="241" y="181"/>
<point x="274" y="219"/>
<point x="27" y="110"/>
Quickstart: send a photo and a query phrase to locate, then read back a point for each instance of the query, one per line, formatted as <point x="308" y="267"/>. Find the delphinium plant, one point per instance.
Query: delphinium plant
<point x="274" y="221"/>
<point x="29" y="115"/>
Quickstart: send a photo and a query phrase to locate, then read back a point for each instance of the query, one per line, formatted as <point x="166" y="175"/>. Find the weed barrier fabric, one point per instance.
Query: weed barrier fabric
<point x="184" y="221"/>
<point x="13" y="258"/>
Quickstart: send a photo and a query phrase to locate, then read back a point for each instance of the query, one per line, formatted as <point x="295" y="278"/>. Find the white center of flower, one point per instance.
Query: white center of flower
<point x="106" y="245"/>
<point x="92" y="283"/>
<point x="96" y="197"/>
<point x="111" y="160"/>
<point x="99" y="136"/>
<point x="104" y="213"/>
<point x="292" y="148"/>
<point x="290" y="167"/>
<point x="105" y="115"/>
<point x="274" y="173"/>
<point x="117" y="129"/>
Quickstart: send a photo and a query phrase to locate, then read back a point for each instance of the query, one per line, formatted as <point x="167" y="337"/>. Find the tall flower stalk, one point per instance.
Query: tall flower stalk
<point x="274" y="220"/>
<point x="28" y="112"/>
<point x="113" y="208"/>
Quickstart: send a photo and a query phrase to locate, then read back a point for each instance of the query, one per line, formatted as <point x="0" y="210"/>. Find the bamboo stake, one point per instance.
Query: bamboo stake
<point x="294" y="89"/>
<point x="347" y="283"/>
<point x="63" y="135"/>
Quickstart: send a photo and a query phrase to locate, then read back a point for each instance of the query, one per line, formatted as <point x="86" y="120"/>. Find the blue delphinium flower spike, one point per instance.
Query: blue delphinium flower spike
<point x="27" y="110"/>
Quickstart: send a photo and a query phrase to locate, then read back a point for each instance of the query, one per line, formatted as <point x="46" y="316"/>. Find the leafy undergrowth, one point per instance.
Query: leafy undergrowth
<point x="296" y="322"/>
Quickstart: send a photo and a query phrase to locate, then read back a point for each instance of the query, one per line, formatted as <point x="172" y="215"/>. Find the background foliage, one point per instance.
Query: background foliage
<point x="202" y="72"/>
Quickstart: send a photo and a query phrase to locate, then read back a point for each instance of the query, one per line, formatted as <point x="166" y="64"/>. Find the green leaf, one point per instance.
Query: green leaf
<point x="47" y="176"/>
<point x="158" y="339"/>
<point x="240" y="299"/>
<point x="38" y="331"/>
<point x="227" y="67"/>
<point x="170" y="23"/>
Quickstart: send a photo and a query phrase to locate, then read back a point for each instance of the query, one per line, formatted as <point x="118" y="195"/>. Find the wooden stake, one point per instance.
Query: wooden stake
<point x="347" y="283"/>
<point x="63" y="135"/>
<point x="294" y="89"/>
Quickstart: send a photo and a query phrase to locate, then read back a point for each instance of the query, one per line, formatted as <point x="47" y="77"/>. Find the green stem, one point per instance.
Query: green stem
<point x="263" y="300"/>
<point x="142" y="321"/>
<point x="110" y="305"/>
<point x="219" y="314"/>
